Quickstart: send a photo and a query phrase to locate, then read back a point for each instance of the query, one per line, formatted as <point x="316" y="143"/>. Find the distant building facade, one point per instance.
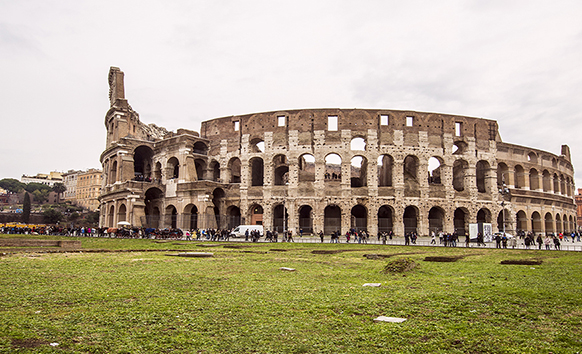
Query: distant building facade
<point x="578" y="198"/>
<point x="88" y="189"/>
<point x="330" y="170"/>
<point x="47" y="179"/>
<point x="70" y="182"/>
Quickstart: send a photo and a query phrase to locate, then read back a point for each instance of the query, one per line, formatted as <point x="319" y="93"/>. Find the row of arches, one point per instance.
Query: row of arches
<point x="145" y="169"/>
<point x="548" y="224"/>
<point x="533" y="179"/>
<point x="410" y="220"/>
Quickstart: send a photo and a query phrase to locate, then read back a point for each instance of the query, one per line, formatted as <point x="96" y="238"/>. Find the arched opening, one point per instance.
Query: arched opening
<point x="306" y="168"/>
<point x="521" y="221"/>
<point x="215" y="168"/>
<point x="200" y="148"/>
<point x="359" y="218"/>
<point x="257" y="145"/>
<point x="559" y="224"/>
<point x="562" y="185"/>
<point x="534" y="180"/>
<point x="459" y="147"/>
<point x="549" y="224"/>
<point x="332" y="219"/>
<point x="280" y="218"/>
<point x="436" y="215"/>
<point x="411" y="185"/>
<point x="234" y="217"/>
<point x="218" y="199"/>
<point x="459" y="167"/>
<point x="173" y="168"/>
<point x="257" y="170"/>
<point x="481" y="172"/>
<point x="359" y="172"/>
<point x="281" y="170"/>
<point x="234" y="167"/>
<point x="142" y="163"/>
<point x="306" y="219"/>
<point x="113" y="173"/>
<point x="410" y="219"/>
<point x="200" y="166"/>
<point x="460" y="221"/>
<point x="385" y="164"/>
<point x="385" y="219"/>
<point x="519" y="177"/>
<point x="547" y="181"/>
<point x="191" y="215"/>
<point x="434" y="170"/>
<point x="122" y="213"/>
<point x="483" y="216"/>
<point x="502" y="175"/>
<point x="256" y="215"/>
<point x="153" y="202"/>
<point x="111" y="217"/>
<point x="333" y="167"/>
<point x="358" y="144"/>
<point x="536" y="222"/>
<point x="171" y="216"/>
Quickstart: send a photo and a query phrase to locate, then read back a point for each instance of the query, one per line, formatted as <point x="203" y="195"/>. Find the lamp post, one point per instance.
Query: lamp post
<point x="503" y="191"/>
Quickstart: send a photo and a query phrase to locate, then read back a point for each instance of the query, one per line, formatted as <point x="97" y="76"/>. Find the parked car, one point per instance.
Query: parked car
<point x="509" y="236"/>
<point x="240" y="230"/>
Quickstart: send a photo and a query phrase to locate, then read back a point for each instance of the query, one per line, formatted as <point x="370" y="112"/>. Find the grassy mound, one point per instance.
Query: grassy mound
<point x="400" y="265"/>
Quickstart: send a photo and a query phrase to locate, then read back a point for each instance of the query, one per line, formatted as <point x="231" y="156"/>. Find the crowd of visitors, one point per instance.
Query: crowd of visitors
<point x="529" y="240"/>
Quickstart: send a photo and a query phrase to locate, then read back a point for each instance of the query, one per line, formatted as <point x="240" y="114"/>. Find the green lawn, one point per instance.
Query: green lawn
<point x="240" y="302"/>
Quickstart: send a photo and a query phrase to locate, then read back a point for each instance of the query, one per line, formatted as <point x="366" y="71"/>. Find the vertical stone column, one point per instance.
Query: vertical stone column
<point x="224" y="157"/>
<point x="398" y="220"/>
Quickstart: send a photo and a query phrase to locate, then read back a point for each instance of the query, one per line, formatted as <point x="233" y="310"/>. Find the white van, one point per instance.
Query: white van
<point x="240" y="230"/>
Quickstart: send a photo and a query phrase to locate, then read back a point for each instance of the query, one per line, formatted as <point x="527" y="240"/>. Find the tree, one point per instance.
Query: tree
<point x="34" y="186"/>
<point x="40" y="195"/>
<point x="59" y="188"/>
<point x="92" y="217"/>
<point x="74" y="216"/>
<point x="12" y="185"/>
<point x="26" y="208"/>
<point x="52" y="216"/>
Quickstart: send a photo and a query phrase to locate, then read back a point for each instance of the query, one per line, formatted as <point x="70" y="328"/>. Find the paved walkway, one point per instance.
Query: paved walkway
<point x="425" y="241"/>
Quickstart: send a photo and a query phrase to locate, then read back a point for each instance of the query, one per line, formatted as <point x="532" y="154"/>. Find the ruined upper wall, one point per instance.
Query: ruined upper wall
<point x="385" y="122"/>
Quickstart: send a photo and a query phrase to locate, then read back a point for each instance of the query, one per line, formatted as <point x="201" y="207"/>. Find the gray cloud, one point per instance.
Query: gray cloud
<point x="187" y="61"/>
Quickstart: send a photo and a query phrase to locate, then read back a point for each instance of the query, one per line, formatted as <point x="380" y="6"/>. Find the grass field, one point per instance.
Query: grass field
<point x="239" y="301"/>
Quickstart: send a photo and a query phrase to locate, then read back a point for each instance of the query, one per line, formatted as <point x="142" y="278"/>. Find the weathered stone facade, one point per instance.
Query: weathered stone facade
<point x="330" y="169"/>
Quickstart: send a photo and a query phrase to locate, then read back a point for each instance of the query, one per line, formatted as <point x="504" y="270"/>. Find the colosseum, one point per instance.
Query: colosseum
<point x="330" y="170"/>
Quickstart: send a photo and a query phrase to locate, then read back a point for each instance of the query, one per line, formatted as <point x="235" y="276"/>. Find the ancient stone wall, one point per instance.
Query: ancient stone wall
<point x="333" y="170"/>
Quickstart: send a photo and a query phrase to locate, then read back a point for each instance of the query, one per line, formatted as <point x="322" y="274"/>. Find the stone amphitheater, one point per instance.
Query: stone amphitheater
<point x="330" y="170"/>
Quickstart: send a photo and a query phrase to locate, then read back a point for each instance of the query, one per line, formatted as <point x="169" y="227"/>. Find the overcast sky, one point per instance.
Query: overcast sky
<point x="517" y="62"/>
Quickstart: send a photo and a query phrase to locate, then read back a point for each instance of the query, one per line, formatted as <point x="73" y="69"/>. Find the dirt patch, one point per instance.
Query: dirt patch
<point x="236" y="246"/>
<point x="381" y="256"/>
<point x="400" y="265"/>
<point x="28" y="343"/>
<point x="443" y="258"/>
<point x="278" y="250"/>
<point x="522" y="261"/>
<point x="335" y="251"/>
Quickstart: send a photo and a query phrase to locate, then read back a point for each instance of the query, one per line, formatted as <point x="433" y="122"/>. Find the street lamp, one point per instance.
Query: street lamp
<point x="503" y="191"/>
